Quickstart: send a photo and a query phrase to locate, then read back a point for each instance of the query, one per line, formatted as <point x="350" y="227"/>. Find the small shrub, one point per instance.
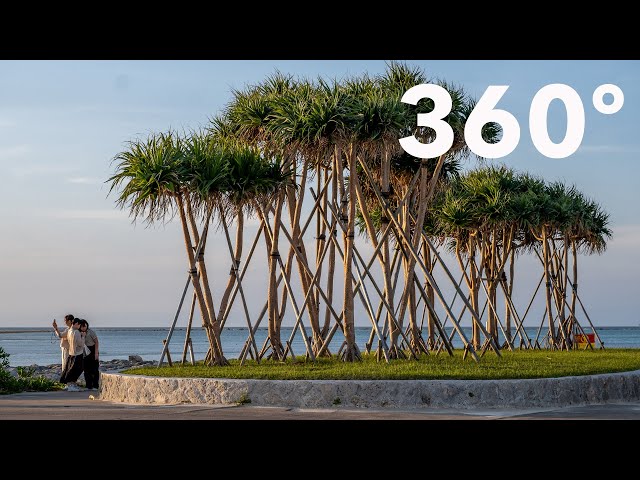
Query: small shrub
<point x="8" y="383"/>
<point x="4" y="359"/>
<point x="25" y="381"/>
<point x="25" y="372"/>
<point x="39" y="384"/>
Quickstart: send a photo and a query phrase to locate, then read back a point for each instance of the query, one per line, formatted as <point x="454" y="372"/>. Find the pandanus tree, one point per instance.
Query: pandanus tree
<point x="484" y="213"/>
<point x="378" y="117"/>
<point x="491" y="214"/>
<point x="297" y="124"/>
<point x="563" y="216"/>
<point x="247" y="118"/>
<point x="589" y="233"/>
<point x="323" y="128"/>
<point x="329" y="128"/>
<point x="163" y="176"/>
<point x="304" y="122"/>
<point x="260" y="157"/>
<point x="253" y="178"/>
<point x="383" y="119"/>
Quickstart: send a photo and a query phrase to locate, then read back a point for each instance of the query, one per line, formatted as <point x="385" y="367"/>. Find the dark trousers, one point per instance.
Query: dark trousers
<point x="72" y="369"/>
<point x="91" y="372"/>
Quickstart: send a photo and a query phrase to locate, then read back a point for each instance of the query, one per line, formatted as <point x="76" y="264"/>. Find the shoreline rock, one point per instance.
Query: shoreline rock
<point x="53" y="371"/>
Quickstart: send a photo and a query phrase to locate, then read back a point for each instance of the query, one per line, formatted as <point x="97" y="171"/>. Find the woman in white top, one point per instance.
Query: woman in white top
<point x="62" y="335"/>
<point x="74" y="365"/>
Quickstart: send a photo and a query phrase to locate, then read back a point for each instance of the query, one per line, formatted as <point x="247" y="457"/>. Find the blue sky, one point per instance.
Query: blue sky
<point x="66" y="248"/>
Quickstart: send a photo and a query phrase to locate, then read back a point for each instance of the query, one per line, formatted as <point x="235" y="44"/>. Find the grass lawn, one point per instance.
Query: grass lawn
<point x="518" y="364"/>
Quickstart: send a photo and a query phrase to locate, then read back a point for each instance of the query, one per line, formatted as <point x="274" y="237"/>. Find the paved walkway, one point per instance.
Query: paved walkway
<point x="78" y="406"/>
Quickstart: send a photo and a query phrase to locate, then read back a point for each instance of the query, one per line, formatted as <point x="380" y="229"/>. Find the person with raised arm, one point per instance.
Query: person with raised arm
<point x="74" y="365"/>
<point x="62" y="335"/>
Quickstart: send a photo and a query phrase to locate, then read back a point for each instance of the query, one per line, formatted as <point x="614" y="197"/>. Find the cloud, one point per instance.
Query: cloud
<point x="14" y="150"/>
<point x="38" y="169"/>
<point x="626" y="236"/>
<point x="90" y="214"/>
<point x="85" y="180"/>
<point x="609" y="149"/>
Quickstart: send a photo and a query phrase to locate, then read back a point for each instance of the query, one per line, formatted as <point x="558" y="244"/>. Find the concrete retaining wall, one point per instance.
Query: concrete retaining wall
<point x="458" y="394"/>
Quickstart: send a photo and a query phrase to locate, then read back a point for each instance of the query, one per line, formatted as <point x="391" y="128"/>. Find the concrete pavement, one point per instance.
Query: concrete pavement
<point x="62" y="405"/>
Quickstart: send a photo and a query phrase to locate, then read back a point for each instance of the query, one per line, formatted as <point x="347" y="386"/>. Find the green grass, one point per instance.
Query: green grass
<point x="518" y="364"/>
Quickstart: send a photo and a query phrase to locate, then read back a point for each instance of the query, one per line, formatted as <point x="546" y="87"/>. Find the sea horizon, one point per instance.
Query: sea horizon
<point x="39" y="346"/>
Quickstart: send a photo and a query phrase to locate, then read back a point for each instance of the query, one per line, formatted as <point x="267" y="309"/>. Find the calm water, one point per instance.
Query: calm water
<point x="28" y="346"/>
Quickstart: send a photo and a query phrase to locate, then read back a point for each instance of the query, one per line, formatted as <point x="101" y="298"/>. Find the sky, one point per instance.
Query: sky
<point x="66" y="248"/>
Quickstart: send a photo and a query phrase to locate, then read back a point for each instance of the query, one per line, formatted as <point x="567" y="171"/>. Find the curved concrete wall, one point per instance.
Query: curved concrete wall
<point x="459" y="394"/>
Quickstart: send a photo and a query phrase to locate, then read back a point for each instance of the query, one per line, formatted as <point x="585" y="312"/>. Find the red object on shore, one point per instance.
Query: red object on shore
<point x="582" y="339"/>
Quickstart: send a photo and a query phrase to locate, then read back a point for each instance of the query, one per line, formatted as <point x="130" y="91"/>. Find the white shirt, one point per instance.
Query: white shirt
<point x="76" y="342"/>
<point x="64" y="343"/>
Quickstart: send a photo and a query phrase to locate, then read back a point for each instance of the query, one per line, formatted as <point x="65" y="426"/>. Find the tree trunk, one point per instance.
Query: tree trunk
<point x="213" y="331"/>
<point x="350" y="352"/>
<point x="475" y="287"/>
<point x="235" y="262"/>
<point x="431" y="325"/>
<point x="508" y="290"/>
<point x="574" y="289"/>
<point x="332" y="248"/>
<point x="202" y="267"/>
<point x="389" y="291"/>
<point x="295" y="209"/>
<point x="548" y="286"/>
<point x="491" y="274"/>
<point x="277" y="350"/>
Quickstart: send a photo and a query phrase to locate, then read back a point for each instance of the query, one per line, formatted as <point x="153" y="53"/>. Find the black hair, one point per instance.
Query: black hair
<point x="69" y="317"/>
<point x="77" y="320"/>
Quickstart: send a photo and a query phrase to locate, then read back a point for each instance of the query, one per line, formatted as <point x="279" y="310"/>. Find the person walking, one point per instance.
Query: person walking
<point x="74" y="365"/>
<point x="62" y="335"/>
<point x="91" y="357"/>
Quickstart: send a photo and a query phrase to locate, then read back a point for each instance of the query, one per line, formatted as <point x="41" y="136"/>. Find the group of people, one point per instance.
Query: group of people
<point x="80" y="353"/>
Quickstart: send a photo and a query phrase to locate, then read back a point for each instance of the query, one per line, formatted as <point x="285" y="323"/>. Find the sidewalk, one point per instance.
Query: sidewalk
<point x="62" y="405"/>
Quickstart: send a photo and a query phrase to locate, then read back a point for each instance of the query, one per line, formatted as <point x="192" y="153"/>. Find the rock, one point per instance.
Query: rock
<point x="135" y="358"/>
<point x="53" y="372"/>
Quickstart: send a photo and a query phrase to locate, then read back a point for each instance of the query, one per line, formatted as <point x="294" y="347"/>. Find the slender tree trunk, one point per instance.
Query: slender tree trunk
<point x="321" y="239"/>
<point x="202" y="267"/>
<point x="559" y="297"/>
<point x="475" y="291"/>
<point x="574" y="289"/>
<point x="417" y="344"/>
<point x="396" y="327"/>
<point x="431" y="325"/>
<point x="235" y="262"/>
<point x="547" y="276"/>
<point x="213" y="330"/>
<point x="295" y="209"/>
<point x="492" y="273"/>
<point x="570" y="319"/>
<point x="351" y="352"/>
<point x="389" y="291"/>
<point x="288" y="269"/>
<point x="508" y="289"/>
<point x="277" y="350"/>
<point x="332" y="247"/>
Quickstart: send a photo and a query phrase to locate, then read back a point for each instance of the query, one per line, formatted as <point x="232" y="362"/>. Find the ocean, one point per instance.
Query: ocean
<point x="28" y="346"/>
